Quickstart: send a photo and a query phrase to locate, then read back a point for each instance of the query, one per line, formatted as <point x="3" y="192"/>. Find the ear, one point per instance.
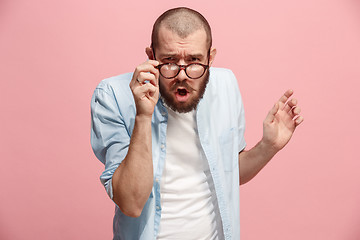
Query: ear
<point x="149" y="53"/>
<point x="212" y="55"/>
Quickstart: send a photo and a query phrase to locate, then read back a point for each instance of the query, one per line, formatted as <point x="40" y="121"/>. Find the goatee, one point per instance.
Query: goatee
<point x="184" y="107"/>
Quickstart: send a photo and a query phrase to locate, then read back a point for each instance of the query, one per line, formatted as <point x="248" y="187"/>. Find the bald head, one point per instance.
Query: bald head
<point x="182" y="21"/>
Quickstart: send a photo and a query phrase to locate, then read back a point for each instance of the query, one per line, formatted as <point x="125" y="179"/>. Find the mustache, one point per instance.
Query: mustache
<point x="181" y="84"/>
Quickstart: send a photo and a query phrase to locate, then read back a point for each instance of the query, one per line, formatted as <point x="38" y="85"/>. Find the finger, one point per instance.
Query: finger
<point x="296" y="110"/>
<point x="151" y="91"/>
<point x="155" y="71"/>
<point x="284" y="98"/>
<point x="153" y="62"/>
<point x="271" y="115"/>
<point x="298" y="120"/>
<point x="145" y="90"/>
<point x="289" y="105"/>
<point x="148" y="66"/>
<point x="145" y="77"/>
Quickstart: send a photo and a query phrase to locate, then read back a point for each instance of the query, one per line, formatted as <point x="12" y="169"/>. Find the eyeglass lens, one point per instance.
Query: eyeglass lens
<point x="192" y="70"/>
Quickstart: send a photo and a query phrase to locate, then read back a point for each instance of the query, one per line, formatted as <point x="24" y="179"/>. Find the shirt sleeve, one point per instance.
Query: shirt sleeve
<point x="240" y="112"/>
<point x="241" y="129"/>
<point x="110" y="138"/>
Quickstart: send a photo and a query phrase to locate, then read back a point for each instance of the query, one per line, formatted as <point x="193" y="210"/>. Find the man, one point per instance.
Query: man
<point x="171" y="136"/>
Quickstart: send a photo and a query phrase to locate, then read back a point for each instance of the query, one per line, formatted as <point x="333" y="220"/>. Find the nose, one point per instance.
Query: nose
<point x="182" y="75"/>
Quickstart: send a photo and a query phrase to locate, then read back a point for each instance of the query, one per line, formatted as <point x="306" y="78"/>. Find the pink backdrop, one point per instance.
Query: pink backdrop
<point x="54" y="53"/>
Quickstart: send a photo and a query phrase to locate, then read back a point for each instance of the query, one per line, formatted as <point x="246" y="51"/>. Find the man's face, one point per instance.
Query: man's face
<point x="182" y="93"/>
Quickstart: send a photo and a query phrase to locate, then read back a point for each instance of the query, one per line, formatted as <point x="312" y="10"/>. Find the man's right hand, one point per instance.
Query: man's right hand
<point x="145" y="87"/>
<point x="132" y="181"/>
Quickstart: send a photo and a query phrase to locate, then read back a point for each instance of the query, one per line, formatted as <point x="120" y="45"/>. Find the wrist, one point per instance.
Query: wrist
<point x="267" y="148"/>
<point x="143" y="118"/>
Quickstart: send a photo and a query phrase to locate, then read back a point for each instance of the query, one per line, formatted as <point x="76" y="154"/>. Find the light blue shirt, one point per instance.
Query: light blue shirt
<point x="221" y="124"/>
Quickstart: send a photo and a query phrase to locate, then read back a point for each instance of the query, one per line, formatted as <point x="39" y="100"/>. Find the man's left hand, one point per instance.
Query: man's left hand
<point x="281" y="121"/>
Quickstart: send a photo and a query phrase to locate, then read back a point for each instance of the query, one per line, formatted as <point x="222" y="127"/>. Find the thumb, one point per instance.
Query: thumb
<point x="271" y="115"/>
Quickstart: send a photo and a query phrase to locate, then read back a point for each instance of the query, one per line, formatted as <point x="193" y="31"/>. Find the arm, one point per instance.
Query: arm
<point x="278" y="127"/>
<point x="132" y="181"/>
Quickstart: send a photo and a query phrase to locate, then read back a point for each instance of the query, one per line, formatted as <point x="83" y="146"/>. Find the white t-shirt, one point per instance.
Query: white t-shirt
<point x="188" y="200"/>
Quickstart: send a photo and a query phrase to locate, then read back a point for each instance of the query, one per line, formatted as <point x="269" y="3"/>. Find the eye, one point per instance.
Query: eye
<point x="169" y="59"/>
<point x="194" y="59"/>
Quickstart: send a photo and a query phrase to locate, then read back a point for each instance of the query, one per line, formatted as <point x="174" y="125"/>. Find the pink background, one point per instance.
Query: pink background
<point x="54" y="53"/>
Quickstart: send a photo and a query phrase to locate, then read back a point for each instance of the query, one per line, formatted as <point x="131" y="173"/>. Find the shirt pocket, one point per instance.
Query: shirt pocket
<point x="228" y="149"/>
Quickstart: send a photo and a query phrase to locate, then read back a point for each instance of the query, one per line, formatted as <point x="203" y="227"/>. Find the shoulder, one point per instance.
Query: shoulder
<point x="222" y="81"/>
<point x="116" y="87"/>
<point x="221" y="72"/>
<point x="114" y="91"/>
<point x="222" y="78"/>
<point x="115" y="84"/>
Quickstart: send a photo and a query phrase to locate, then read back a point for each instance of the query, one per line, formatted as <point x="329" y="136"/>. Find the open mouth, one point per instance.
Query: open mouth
<point x="182" y="95"/>
<point x="182" y="91"/>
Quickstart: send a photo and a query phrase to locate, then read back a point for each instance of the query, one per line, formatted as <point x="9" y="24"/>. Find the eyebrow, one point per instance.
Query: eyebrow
<point x="168" y="55"/>
<point x="196" y="55"/>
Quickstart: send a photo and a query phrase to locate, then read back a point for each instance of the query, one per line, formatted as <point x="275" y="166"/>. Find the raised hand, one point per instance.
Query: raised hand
<point x="145" y="87"/>
<point x="281" y="121"/>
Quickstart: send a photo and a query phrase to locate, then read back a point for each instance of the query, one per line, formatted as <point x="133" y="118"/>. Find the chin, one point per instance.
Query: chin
<point x="180" y="107"/>
<point x="186" y="107"/>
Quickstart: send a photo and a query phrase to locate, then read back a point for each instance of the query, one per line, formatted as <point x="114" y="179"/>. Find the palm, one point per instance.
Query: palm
<point x="281" y="122"/>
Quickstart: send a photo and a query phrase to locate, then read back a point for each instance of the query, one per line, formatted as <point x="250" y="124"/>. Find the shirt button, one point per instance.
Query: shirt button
<point x="163" y="113"/>
<point x="157" y="207"/>
<point x="162" y="146"/>
<point x="156" y="180"/>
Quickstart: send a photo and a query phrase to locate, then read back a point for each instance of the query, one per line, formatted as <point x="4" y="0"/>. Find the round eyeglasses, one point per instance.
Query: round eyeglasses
<point x="171" y="70"/>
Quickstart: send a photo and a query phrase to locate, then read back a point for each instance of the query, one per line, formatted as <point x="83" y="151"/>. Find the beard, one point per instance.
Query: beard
<point x="184" y="107"/>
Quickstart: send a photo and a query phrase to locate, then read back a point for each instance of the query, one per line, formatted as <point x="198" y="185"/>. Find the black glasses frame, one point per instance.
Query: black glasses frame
<point x="183" y="67"/>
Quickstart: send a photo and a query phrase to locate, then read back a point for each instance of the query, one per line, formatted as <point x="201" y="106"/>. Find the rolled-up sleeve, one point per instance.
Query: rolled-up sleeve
<point x="110" y="138"/>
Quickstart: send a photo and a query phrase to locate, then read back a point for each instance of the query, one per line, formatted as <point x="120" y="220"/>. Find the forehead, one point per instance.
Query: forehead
<point x="170" y="42"/>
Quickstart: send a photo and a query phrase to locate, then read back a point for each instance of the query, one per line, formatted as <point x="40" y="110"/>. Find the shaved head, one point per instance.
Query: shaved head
<point x="182" y="21"/>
